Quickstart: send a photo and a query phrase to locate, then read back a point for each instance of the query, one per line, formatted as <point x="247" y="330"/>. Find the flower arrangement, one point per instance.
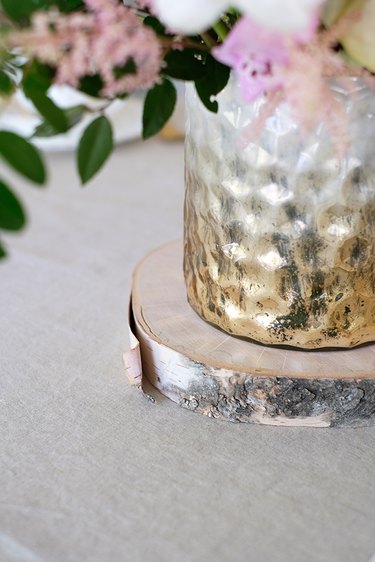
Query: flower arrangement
<point x="281" y="49"/>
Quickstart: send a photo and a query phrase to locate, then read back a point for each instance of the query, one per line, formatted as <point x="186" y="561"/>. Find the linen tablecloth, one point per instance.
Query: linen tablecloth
<point x="89" y="469"/>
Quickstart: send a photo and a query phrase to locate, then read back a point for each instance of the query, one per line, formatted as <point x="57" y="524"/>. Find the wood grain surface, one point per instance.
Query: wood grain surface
<point x="222" y="376"/>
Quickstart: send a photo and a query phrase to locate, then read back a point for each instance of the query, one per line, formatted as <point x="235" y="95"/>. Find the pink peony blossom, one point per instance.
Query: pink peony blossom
<point x="253" y="52"/>
<point x="295" y="71"/>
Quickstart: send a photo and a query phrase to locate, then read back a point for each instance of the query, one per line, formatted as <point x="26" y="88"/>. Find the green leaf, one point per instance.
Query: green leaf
<point x="158" y="108"/>
<point x="19" y="10"/>
<point x="215" y="80"/>
<point x="12" y="215"/>
<point x="38" y="78"/>
<point x="69" y="5"/>
<point x="3" y="252"/>
<point x="91" y="85"/>
<point x="22" y="156"/>
<point x="155" y="24"/>
<point x="73" y="115"/>
<point x="37" y="81"/>
<point x="6" y="83"/>
<point x="94" y="148"/>
<point x="185" y="65"/>
<point x="128" y="68"/>
<point x="49" y="110"/>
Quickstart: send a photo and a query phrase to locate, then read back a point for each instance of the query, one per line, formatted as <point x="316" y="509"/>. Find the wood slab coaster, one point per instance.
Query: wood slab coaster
<point x="208" y="371"/>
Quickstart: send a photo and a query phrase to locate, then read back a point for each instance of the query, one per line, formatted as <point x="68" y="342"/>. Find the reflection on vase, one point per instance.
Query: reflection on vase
<point x="280" y="233"/>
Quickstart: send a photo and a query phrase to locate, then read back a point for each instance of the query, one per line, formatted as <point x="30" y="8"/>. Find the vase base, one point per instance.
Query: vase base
<point x="210" y="372"/>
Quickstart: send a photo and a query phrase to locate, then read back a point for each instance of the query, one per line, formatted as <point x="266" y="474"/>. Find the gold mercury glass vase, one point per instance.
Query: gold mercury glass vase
<point x="280" y="232"/>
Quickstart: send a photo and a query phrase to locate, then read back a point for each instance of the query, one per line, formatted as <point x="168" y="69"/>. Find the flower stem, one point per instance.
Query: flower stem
<point x="207" y="39"/>
<point x="173" y="43"/>
<point x="220" y="29"/>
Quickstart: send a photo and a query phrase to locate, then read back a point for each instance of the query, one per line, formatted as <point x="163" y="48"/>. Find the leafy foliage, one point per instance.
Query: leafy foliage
<point x="91" y="85"/>
<point x="53" y="114"/>
<point x="179" y="61"/>
<point x="37" y="78"/>
<point x="73" y="115"/>
<point x="3" y="252"/>
<point x="212" y="83"/>
<point x="7" y="85"/>
<point x="159" y="105"/>
<point x="94" y="148"/>
<point x="22" y="156"/>
<point x="185" y="65"/>
<point x="12" y="215"/>
<point x="21" y="10"/>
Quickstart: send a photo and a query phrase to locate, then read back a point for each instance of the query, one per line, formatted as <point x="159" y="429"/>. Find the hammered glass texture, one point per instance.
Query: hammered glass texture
<point x="280" y="233"/>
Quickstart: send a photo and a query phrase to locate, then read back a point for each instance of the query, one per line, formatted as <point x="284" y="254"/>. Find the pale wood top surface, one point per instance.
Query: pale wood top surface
<point x="160" y="305"/>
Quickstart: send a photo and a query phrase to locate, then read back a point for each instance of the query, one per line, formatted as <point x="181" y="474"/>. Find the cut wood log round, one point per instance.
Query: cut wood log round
<point x="205" y="370"/>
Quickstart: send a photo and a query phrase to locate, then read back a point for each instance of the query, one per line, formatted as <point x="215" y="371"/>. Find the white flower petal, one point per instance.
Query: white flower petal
<point x="283" y="15"/>
<point x="189" y="16"/>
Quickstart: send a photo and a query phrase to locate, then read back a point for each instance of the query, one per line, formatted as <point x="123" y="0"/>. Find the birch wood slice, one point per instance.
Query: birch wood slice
<point x="208" y="371"/>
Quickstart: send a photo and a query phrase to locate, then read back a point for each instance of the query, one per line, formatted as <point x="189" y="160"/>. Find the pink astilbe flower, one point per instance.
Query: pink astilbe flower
<point x="292" y="68"/>
<point x="305" y="83"/>
<point x="102" y="41"/>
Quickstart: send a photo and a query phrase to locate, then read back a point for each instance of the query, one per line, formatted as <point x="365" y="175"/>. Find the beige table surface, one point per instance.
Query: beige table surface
<point x="91" y="471"/>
